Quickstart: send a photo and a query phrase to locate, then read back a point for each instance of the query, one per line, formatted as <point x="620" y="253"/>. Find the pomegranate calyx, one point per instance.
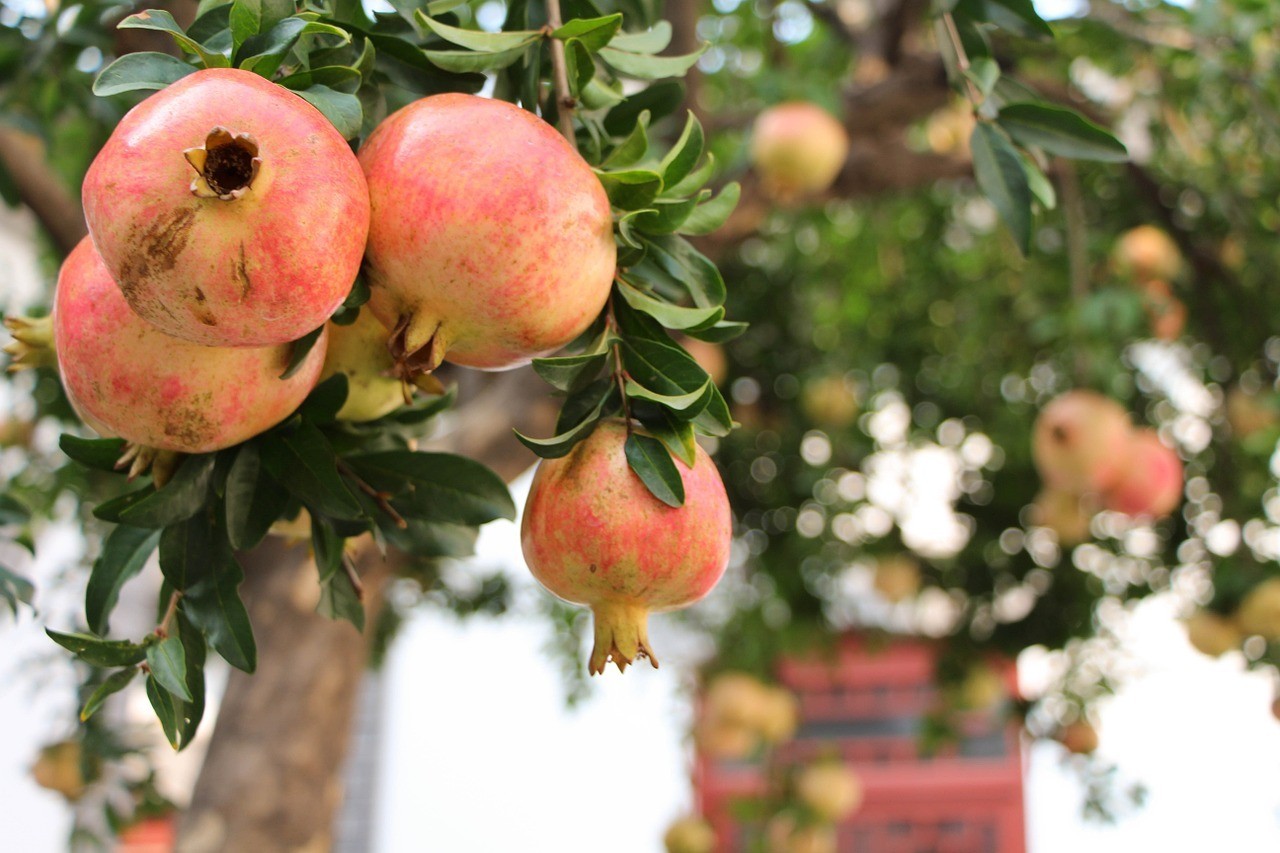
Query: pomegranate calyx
<point x="226" y="165"/>
<point x="417" y="347"/>
<point x="621" y="636"/>
<point x="32" y="344"/>
<point x="138" y="458"/>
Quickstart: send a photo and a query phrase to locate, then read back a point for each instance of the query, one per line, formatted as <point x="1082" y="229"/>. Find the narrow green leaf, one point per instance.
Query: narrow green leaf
<point x="213" y="604"/>
<point x="631" y="189"/>
<point x="1025" y="20"/>
<point x="725" y="330"/>
<point x="660" y="99"/>
<point x="594" y="33"/>
<point x="559" y="445"/>
<point x="684" y="155"/>
<point x="179" y="499"/>
<point x="114" y="683"/>
<point x="111" y="510"/>
<point x="438" y="486"/>
<point x="675" y="402"/>
<point x="141" y="71"/>
<point x="14" y="588"/>
<point x="984" y="73"/>
<point x="98" y="453"/>
<point x="325" y="400"/>
<point x="193" y="647"/>
<point x="648" y="67"/>
<point x="1040" y="185"/>
<point x="333" y="76"/>
<point x="97" y="651"/>
<point x="304" y="463"/>
<point x="303" y="345"/>
<point x="253" y="500"/>
<point x="124" y="553"/>
<point x="161" y="21"/>
<point x="652" y="463"/>
<point x="649" y="41"/>
<point x="165" y="705"/>
<point x="327" y="545"/>
<point x="666" y="216"/>
<point x="245" y="20"/>
<point x="711" y="214"/>
<point x="998" y="169"/>
<point x="478" y="40"/>
<point x="339" y="600"/>
<point x="669" y="315"/>
<point x="465" y="61"/>
<point x="678" y="437"/>
<point x="169" y="666"/>
<point x="691" y="268"/>
<point x="570" y="373"/>
<point x="1062" y="132"/>
<point x="633" y="149"/>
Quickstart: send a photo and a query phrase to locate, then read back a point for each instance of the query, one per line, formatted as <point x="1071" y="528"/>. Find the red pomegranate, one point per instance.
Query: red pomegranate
<point x="229" y="210"/>
<point x="491" y="240"/>
<point x="128" y="379"/>
<point x="1151" y="483"/>
<point x="594" y="535"/>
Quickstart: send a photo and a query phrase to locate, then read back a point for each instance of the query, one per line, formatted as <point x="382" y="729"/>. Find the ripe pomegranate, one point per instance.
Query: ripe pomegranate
<point x="1063" y="513"/>
<point x="1080" y="738"/>
<point x="126" y="378"/>
<point x="229" y="210"/>
<point x="690" y="835"/>
<point x="983" y="689"/>
<point x="1151" y="482"/>
<point x="830" y="790"/>
<point x="897" y="577"/>
<point x="797" y="148"/>
<point x="491" y="239"/>
<point x="359" y="350"/>
<point x="1146" y="252"/>
<point x="1081" y="442"/>
<point x="1259" y="612"/>
<point x="1212" y="634"/>
<point x="593" y="534"/>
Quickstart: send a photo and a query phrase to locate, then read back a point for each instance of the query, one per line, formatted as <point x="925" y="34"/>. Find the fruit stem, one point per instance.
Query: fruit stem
<point x="565" y="102"/>
<point x="162" y="630"/>
<point x="621" y="634"/>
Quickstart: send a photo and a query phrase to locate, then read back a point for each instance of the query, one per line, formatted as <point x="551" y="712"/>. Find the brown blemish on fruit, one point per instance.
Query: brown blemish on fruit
<point x="242" y="273"/>
<point x="200" y="297"/>
<point x="190" y="426"/>
<point x="159" y="245"/>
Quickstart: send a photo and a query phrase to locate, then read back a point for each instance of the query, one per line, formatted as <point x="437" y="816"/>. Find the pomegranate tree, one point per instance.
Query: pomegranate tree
<point x="127" y="378"/>
<point x="470" y="258"/>
<point x="229" y="210"/>
<point x="593" y="534"/>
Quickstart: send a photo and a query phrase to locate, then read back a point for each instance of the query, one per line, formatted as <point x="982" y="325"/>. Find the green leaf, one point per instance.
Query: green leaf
<point x="634" y="148"/>
<point x="340" y="600"/>
<point x="675" y="402"/>
<point x="97" y="651"/>
<point x="101" y="454"/>
<point x="570" y="373"/>
<point x="1023" y="18"/>
<point x="438" y="486"/>
<point x="694" y="181"/>
<point x="193" y="647"/>
<point x="666" y="216"/>
<point x="263" y="53"/>
<point x="660" y="100"/>
<point x="302" y="346"/>
<point x="680" y="161"/>
<point x="432" y="539"/>
<point x="141" y="71"/>
<point x="14" y="588"/>
<point x="478" y="40"/>
<point x="594" y="33"/>
<point x="124" y="553"/>
<point x="650" y="41"/>
<point x="648" y="67"/>
<point x="333" y="76"/>
<point x="984" y="73"/>
<point x="1041" y="187"/>
<point x="559" y="445"/>
<point x="652" y="463"/>
<point x="327" y="545"/>
<point x="1060" y="131"/>
<point x="725" y="330"/>
<point x="691" y="268"/>
<point x="710" y="215"/>
<point x="179" y="499"/>
<point x="669" y="315"/>
<point x="245" y="20"/>
<point x="305" y="464"/>
<point x="165" y="704"/>
<point x="631" y="189"/>
<point x="465" y="61"/>
<point x="325" y="400"/>
<point x="678" y="437"/>
<point x="213" y="604"/>
<point x="114" y="683"/>
<point x="161" y="21"/>
<point x="998" y="169"/>
<point x="169" y="666"/>
<point x="253" y="500"/>
<point x="111" y="510"/>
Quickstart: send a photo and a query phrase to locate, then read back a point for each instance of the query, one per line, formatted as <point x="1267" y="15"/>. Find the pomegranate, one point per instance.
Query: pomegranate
<point x="1250" y="413"/>
<point x="797" y="148"/>
<point x="229" y="210"/>
<point x="360" y="351"/>
<point x="1146" y="252"/>
<point x="59" y="767"/>
<point x="593" y="534"/>
<point x="1212" y="634"/>
<point x="1081" y="442"/>
<point x="1064" y="513"/>
<point x="1151" y="481"/>
<point x="690" y="835"/>
<point x="128" y="379"/>
<point x="491" y="239"/>
<point x="829" y="401"/>
<point x="1259" y="612"/>
<point x="1080" y="737"/>
<point x="830" y="790"/>
<point x="897" y="577"/>
<point x="983" y="689"/>
<point x="779" y="715"/>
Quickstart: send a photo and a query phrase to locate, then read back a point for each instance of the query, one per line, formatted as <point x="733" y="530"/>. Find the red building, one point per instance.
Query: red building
<point x="869" y="705"/>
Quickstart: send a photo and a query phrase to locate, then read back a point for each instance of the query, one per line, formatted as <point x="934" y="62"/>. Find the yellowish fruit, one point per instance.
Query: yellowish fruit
<point x="897" y="577"/>
<point x="779" y="715"/>
<point x="1211" y="634"/>
<point x="829" y="402"/>
<point x="1259" y="613"/>
<point x="58" y="769"/>
<point x="1063" y="513"/>
<point x="982" y="689"/>
<point x="360" y="351"/>
<point x="830" y="790"/>
<point x="1080" y="737"/>
<point x="690" y="835"/>
<point x="1146" y="252"/>
<point x="782" y="835"/>
<point x="798" y="149"/>
<point x="1249" y="414"/>
<point x="726" y="740"/>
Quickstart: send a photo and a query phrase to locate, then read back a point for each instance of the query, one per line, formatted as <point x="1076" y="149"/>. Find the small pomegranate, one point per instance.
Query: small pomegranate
<point x="1259" y="612"/>
<point x="690" y="835"/>
<point x="897" y="577"/>
<point x="1151" y="482"/>
<point x="830" y="402"/>
<point x="58" y="767"/>
<point x="784" y="835"/>
<point x="491" y="239"/>
<point x="1250" y="413"/>
<point x="1081" y="442"/>
<point x="359" y="350"/>
<point x="779" y="715"/>
<point x="594" y="535"/>
<point x="798" y="149"/>
<point x="1064" y="513"/>
<point x="1212" y="634"/>
<point x="1146" y="252"/>
<point x="229" y="210"/>
<point x="830" y="790"/>
<point x="1080" y="737"/>
<point x="128" y="379"/>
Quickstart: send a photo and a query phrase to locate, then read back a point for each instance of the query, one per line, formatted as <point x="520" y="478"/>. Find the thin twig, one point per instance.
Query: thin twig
<point x="350" y="569"/>
<point x="162" y="630"/>
<point x="619" y="375"/>
<point x="565" y="102"/>
<point x="962" y="57"/>
<point x="380" y="498"/>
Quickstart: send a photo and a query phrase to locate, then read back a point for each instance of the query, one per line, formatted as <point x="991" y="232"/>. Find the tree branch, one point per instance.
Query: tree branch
<point x="22" y="156"/>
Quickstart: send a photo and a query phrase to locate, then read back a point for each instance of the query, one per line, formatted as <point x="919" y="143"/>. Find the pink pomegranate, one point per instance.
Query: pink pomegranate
<point x="798" y="148"/>
<point x="128" y="379"/>
<point x="229" y="210"/>
<point x="491" y="240"/>
<point x="594" y="535"/>
<point x="1151" y="482"/>
<point x="1081" y="442"/>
